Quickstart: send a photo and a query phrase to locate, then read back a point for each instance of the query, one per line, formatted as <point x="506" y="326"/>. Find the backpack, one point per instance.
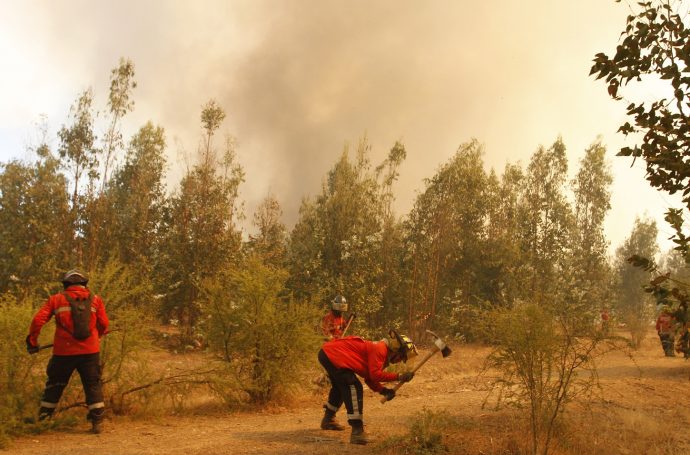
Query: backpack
<point x="81" y="315"/>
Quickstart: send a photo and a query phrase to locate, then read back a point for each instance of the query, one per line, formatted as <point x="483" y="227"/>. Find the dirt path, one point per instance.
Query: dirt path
<point x="639" y="395"/>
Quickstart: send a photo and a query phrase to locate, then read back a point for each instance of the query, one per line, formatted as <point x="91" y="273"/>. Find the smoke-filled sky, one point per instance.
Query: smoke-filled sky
<point x="302" y="79"/>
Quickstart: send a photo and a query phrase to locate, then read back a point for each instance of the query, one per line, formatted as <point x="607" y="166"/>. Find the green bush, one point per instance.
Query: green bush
<point x="546" y="359"/>
<point x="266" y="340"/>
<point x="131" y="309"/>
<point x="21" y="378"/>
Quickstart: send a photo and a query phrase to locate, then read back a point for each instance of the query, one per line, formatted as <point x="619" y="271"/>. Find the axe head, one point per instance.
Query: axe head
<point x="440" y="344"/>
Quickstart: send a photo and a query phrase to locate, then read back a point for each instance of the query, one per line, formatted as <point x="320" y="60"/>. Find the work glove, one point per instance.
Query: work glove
<point x="30" y="348"/>
<point x="406" y="376"/>
<point x="388" y="393"/>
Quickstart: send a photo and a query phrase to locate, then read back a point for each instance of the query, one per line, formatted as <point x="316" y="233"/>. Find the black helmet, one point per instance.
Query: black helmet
<point x="339" y="303"/>
<point x="75" y="276"/>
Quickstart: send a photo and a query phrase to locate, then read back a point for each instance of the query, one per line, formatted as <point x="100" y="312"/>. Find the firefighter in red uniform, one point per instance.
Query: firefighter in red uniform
<point x="76" y="345"/>
<point x="346" y="358"/>
<point x="333" y="323"/>
<point x="665" y="328"/>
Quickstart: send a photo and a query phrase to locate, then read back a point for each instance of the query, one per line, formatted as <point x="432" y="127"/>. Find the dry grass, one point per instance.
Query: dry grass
<point x="642" y="407"/>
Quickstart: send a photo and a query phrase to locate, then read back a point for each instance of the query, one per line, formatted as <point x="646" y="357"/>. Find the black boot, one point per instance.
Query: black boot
<point x="96" y="418"/>
<point x="45" y="413"/>
<point x="358" y="436"/>
<point x="328" y="422"/>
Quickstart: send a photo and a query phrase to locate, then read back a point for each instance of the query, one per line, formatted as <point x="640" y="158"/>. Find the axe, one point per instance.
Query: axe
<point x="439" y="346"/>
<point x="349" y="321"/>
<point x="50" y="345"/>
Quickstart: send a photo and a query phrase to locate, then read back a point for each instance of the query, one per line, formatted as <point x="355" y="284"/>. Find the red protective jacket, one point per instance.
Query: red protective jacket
<point x="64" y="343"/>
<point x="365" y="358"/>
<point x="332" y="326"/>
<point x="664" y="323"/>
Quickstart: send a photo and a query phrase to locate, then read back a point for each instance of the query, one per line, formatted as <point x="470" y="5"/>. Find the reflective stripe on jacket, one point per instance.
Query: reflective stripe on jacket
<point x="64" y="343"/>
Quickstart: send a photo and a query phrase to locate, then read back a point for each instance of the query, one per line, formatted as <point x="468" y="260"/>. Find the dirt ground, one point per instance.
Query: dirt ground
<point x="639" y="410"/>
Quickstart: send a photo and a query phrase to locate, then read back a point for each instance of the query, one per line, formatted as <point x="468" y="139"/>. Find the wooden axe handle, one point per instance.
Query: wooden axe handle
<point x="47" y="346"/>
<point x="417" y="366"/>
<point x="347" y="326"/>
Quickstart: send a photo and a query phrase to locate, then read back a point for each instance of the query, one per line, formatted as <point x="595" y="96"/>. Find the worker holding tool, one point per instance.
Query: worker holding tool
<point x="333" y="323"/>
<point x="81" y="321"/>
<point x="346" y="358"/>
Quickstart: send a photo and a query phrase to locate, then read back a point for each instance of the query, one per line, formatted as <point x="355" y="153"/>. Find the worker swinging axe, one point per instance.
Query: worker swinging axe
<point x="439" y="346"/>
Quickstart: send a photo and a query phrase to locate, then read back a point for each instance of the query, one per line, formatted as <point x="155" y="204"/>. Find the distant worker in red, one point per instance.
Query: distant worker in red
<point x="333" y="323"/>
<point x="605" y="321"/>
<point x="665" y="328"/>
<point x="346" y="358"/>
<point x="80" y="321"/>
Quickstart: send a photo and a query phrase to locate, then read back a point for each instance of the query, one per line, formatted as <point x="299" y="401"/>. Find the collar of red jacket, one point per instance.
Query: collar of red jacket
<point x="77" y="290"/>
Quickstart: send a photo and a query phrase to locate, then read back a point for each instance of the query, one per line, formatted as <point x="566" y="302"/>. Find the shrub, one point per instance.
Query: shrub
<point x="540" y="354"/>
<point x="20" y="381"/>
<point x="425" y="435"/>
<point x="266" y="340"/>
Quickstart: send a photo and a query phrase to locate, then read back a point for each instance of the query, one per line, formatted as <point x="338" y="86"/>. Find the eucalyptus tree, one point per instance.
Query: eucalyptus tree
<point x="79" y="158"/>
<point x="120" y="102"/>
<point x="201" y="236"/>
<point x="335" y="246"/>
<point x="446" y="232"/>
<point x="270" y="241"/>
<point x="502" y="250"/>
<point x="35" y="223"/>
<point x="392" y="254"/>
<point x="77" y="144"/>
<point x="590" y="268"/>
<point x="634" y="306"/>
<point x="136" y="198"/>
<point x="545" y="225"/>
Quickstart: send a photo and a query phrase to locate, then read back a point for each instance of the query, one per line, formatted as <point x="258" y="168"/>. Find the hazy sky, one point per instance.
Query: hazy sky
<point x="301" y="79"/>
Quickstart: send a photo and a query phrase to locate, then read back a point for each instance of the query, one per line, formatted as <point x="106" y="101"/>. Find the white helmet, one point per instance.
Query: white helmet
<point x="339" y="303"/>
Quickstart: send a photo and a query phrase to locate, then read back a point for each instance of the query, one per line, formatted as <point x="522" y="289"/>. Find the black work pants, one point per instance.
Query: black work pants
<point x="667" y="343"/>
<point x="60" y="369"/>
<point x="345" y="388"/>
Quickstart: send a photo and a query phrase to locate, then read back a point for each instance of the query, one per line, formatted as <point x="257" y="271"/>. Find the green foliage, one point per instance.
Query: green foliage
<point x="633" y="305"/>
<point x="266" y="341"/>
<point x="545" y="225"/>
<point x="541" y="355"/>
<point x="127" y="298"/>
<point x="653" y="49"/>
<point x="270" y="242"/>
<point x="35" y="225"/>
<point x="445" y="235"/>
<point x="340" y="245"/>
<point x="77" y="145"/>
<point x="136" y="196"/>
<point x="21" y="378"/>
<point x="120" y="102"/>
<point x="200" y="238"/>
<point x="589" y="266"/>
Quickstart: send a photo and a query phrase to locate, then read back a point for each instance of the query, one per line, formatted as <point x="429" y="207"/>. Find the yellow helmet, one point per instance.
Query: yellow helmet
<point x="402" y="345"/>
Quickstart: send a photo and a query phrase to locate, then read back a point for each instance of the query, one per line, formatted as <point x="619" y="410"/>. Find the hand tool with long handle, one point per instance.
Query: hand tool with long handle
<point x="439" y="346"/>
<point x="349" y="321"/>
